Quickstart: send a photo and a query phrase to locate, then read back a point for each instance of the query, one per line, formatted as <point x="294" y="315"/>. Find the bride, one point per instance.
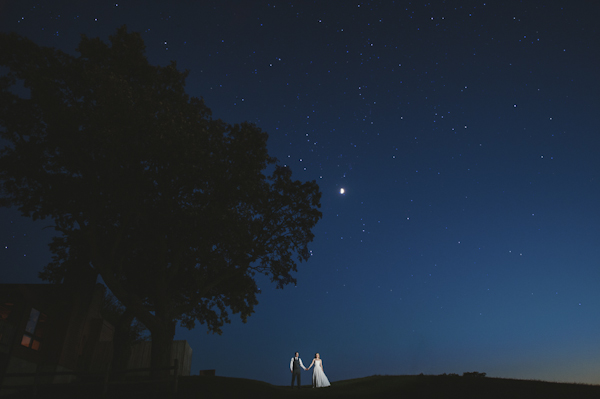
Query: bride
<point x="319" y="378"/>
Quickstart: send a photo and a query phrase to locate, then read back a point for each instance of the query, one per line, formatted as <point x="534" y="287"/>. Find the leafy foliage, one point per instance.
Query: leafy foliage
<point x="171" y="207"/>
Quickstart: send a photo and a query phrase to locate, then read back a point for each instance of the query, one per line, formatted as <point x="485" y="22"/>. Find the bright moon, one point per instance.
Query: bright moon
<point x="342" y="191"/>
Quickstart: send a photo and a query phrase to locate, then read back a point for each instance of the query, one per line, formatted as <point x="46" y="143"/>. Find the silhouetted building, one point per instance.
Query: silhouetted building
<point x="52" y="327"/>
<point x="59" y="327"/>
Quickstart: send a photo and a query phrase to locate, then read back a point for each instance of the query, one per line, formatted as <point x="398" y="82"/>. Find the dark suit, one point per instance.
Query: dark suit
<point x="296" y="370"/>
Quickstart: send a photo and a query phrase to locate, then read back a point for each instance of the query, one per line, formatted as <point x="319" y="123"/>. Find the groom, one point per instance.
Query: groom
<point x="295" y="365"/>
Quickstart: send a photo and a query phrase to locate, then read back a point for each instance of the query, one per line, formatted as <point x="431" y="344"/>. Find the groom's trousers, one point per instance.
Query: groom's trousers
<point x="296" y="374"/>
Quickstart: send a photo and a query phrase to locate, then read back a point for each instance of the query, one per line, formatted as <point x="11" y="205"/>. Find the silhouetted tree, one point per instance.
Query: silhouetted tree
<point x="175" y="210"/>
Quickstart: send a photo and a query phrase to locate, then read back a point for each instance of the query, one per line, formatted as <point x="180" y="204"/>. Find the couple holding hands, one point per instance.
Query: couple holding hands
<point x="319" y="379"/>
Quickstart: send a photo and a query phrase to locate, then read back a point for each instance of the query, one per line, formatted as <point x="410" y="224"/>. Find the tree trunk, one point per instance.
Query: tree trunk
<point x="122" y="341"/>
<point x="162" y="341"/>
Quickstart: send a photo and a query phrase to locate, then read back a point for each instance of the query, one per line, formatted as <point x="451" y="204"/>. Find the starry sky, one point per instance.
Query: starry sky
<point x="465" y="137"/>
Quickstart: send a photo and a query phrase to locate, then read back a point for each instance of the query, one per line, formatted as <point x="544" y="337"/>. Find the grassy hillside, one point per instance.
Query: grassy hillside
<point x="405" y="387"/>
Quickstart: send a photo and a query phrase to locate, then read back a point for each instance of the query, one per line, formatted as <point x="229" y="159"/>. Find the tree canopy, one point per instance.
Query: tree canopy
<point x="175" y="210"/>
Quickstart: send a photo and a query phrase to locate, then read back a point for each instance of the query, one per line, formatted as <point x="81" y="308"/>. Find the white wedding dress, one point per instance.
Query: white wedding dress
<point x="319" y="378"/>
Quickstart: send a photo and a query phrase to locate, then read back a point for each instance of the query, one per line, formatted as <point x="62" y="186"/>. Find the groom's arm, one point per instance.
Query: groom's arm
<point x="302" y="364"/>
<point x="292" y="365"/>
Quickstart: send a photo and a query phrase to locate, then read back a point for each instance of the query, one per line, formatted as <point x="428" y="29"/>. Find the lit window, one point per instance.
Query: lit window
<point x="26" y="341"/>
<point x="34" y="330"/>
<point x="34" y="316"/>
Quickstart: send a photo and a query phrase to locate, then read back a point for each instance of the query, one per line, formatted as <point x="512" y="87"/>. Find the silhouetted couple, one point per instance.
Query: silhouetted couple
<point x="319" y="379"/>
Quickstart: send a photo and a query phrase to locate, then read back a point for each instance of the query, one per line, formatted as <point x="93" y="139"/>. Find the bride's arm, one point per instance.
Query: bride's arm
<point x="313" y="362"/>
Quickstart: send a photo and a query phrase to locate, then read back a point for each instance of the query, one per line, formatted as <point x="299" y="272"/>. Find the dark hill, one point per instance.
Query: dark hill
<point x="405" y="387"/>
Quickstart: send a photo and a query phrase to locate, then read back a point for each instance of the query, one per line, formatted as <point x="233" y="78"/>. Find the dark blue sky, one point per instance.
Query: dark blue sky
<point x="465" y="135"/>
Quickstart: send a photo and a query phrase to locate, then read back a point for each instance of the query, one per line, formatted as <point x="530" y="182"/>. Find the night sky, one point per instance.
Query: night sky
<point x="465" y="136"/>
